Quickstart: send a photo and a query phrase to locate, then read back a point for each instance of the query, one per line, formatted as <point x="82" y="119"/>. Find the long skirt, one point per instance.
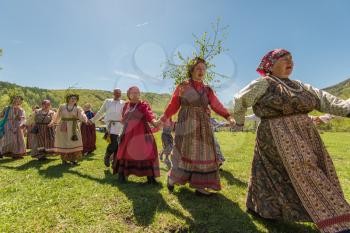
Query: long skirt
<point x="137" y="153"/>
<point x="69" y="149"/>
<point x="43" y="142"/>
<point x="88" y="133"/>
<point x="293" y="177"/>
<point x="13" y="142"/>
<point x="29" y="137"/>
<point x="194" y="159"/>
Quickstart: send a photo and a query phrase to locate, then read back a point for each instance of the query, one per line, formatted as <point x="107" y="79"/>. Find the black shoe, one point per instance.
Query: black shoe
<point x="121" y="178"/>
<point x="151" y="180"/>
<point x="107" y="160"/>
<point x="169" y="186"/>
<point x="75" y="163"/>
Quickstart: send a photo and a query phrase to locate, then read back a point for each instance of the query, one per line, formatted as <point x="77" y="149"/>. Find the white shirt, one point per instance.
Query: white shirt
<point x="112" y="112"/>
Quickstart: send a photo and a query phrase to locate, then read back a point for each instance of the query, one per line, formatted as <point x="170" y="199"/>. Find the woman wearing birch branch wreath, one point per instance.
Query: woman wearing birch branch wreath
<point x="12" y="127"/>
<point x="293" y="177"/>
<point x="194" y="157"/>
<point x="68" y="141"/>
<point x="43" y="136"/>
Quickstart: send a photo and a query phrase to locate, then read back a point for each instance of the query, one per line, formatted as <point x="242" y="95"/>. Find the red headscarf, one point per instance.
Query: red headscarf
<point x="269" y="60"/>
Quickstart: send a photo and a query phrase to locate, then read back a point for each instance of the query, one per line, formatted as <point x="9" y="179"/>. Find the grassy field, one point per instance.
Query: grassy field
<point x="47" y="196"/>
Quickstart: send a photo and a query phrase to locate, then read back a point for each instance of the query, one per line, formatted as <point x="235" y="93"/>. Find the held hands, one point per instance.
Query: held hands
<point x="51" y="124"/>
<point x="231" y="121"/>
<point x="157" y="123"/>
<point x="317" y="120"/>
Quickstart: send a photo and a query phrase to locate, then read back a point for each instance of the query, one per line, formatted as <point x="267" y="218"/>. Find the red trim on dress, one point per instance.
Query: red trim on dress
<point x="333" y="221"/>
<point x="198" y="161"/>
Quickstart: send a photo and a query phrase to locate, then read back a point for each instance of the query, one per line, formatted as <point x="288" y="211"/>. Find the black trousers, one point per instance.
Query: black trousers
<point x="113" y="146"/>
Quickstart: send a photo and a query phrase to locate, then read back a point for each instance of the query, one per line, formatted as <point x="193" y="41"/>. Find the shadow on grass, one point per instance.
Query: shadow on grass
<point x="231" y="180"/>
<point x="55" y="171"/>
<point x="147" y="201"/>
<point x="146" y="198"/>
<point x="89" y="157"/>
<point x="30" y="164"/>
<point x="286" y="227"/>
<point x="215" y="213"/>
<point x="7" y="160"/>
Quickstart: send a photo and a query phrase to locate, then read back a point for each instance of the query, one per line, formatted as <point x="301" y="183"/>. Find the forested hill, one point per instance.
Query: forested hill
<point x="34" y="96"/>
<point x="341" y="89"/>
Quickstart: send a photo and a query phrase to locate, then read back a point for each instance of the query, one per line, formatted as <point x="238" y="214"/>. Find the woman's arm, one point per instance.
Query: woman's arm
<point x="81" y="115"/>
<point x="173" y="106"/>
<point x="329" y="103"/>
<point x="247" y="97"/>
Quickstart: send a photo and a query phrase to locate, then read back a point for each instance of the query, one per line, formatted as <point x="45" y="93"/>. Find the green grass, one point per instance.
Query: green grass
<point x="49" y="197"/>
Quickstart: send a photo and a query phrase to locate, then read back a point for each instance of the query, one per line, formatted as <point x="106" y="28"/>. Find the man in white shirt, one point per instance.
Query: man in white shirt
<point x="112" y="112"/>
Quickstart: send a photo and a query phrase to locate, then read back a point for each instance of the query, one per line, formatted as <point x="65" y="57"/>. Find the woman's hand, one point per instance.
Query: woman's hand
<point x="157" y="123"/>
<point x="51" y="124"/>
<point x="231" y="121"/>
<point x="316" y="120"/>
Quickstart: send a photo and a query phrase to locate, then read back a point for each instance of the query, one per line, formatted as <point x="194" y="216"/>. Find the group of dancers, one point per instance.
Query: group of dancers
<point x="292" y="178"/>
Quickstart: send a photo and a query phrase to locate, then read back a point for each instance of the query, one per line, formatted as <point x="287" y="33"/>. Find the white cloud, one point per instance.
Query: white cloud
<point x="127" y="75"/>
<point x="142" y="24"/>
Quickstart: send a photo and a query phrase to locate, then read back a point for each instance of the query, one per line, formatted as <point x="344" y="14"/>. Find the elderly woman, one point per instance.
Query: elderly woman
<point x="12" y="128"/>
<point x="194" y="157"/>
<point x="137" y="153"/>
<point x="293" y="177"/>
<point x="68" y="141"/>
<point x="88" y="131"/>
<point x="43" y="136"/>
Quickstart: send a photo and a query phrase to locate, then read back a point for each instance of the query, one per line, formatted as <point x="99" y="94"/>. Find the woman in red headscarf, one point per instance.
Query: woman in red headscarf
<point x="293" y="177"/>
<point x="137" y="153"/>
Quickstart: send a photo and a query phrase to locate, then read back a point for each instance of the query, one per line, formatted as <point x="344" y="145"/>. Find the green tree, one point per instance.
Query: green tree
<point x="208" y="46"/>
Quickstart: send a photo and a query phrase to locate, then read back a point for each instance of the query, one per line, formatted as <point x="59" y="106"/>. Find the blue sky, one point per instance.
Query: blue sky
<point x="102" y="44"/>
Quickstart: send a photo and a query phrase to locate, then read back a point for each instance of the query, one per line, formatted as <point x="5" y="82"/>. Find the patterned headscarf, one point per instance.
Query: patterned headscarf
<point x="269" y="60"/>
<point x="46" y="102"/>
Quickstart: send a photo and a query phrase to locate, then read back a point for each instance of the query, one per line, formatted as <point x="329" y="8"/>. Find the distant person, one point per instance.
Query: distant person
<point x="167" y="141"/>
<point x="293" y="177"/>
<point x="68" y="140"/>
<point x="12" y="125"/>
<point x="137" y="153"/>
<point x="29" y="125"/>
<point x="43" y="136"/>
<point x="111" y="111"/>
<point x="88" y="131"/>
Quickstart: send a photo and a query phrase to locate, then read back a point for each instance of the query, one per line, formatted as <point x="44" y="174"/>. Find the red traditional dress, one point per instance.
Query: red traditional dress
<point x="88" y="134"/>
<point x="194" y="155"/>
<point x="137" y="153"/>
